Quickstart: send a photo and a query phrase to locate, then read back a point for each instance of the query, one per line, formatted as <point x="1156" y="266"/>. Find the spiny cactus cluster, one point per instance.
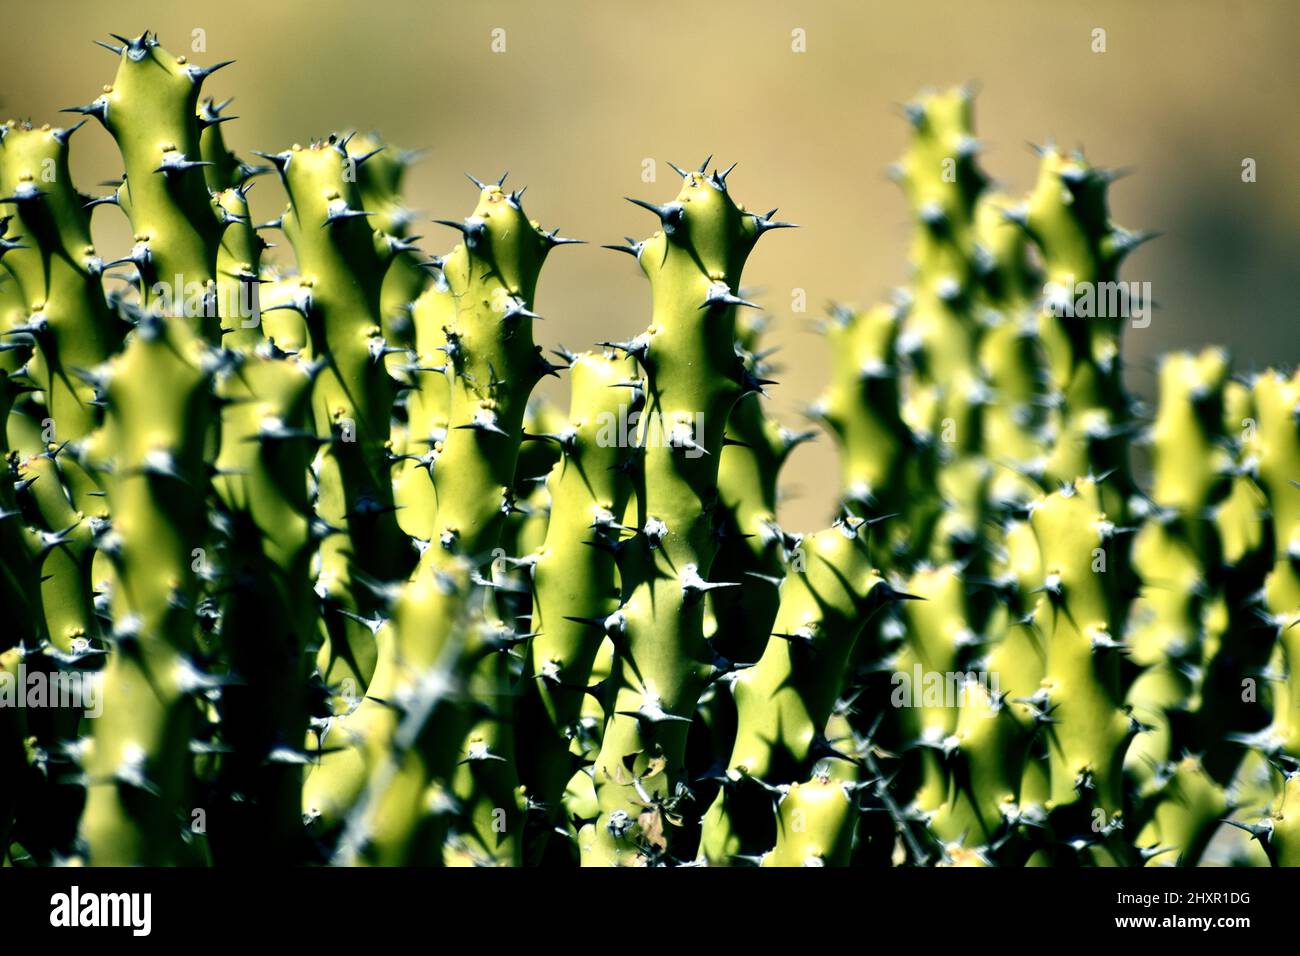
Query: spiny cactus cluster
<point x="335" y="588"/>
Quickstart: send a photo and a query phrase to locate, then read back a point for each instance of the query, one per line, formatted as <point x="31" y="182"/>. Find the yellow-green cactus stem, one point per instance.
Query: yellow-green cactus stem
<point x="494" y="365"/>
<point x="281" y="323"/>
<point x="1176" y="554"/>
<point x="489" y="830"/>
<point x="1189" y="806"/>
<point x="1238" y="687"/>
<point x="1276" y="448"/>
<point x="239" y="258"/>
<point x="693" y="379"/>
<point x="19" y="577"/>
<point x="151" y="109"/>
<point x="1010" y="356"/>
<point x="1088" y="730"/>
<point x="403" y="742"/>
<point x="968" y="283"/>
<point x="380" y="170"/>
<point x="942" y="181"/>
<point x="73" y="331"/>
<point x="526" y="524"/>
<point x="58" y="274"/>
<point x="427" y="406"/>
<point x="341" y="263"/>
<point x="751" y="549"/>
<point x="15" y="348"/>
<point x="785" y="700"/>
<point x="1066" y="215"/>
<point x="64" y="552"/>
<point x="158" y="409"/>
<point x="861" y="404"/>
<point x="938" y="653"/>
<point x="985" y="760"/>
<point x="1283" y="838"/>
<point x="268" y="609"/>
<point x="574" y="577"/>
<point x="813" y="824"/>
<point x="945" y="390"/>
<point x="1241" y="518"/>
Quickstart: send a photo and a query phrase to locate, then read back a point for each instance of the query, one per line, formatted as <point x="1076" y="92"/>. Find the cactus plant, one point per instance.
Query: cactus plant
<point x="353" y="594"/>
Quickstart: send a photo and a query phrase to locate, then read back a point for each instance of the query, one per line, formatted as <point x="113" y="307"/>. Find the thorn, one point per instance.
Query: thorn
<point x="553" y="239"/>
<point x="515" y="308"/>
<point x="721" y="294"/>
<point x="400" y="244"/>
<point x="478" y="752"/>
<point x="24" y="192"/>
<point x="63" y="135"/>
<point x="670" y="215"/>
<point x="765" y="223"/>
<point x="198" y="73"/>
<point x="693" y="584"/>
<point x="720" y="179"/>
<point x="484" y="420"/>
<point x="471" y="229"/>
<point x="279" y="160"/>
<point x="633" y="247"/>
<point x="138" y="48"/>
<point x="97" y="108"/>
<point x="358" y="160"/>
<point x="1257" y="831"/>
<point x="338" y="210"/>
<point x="207" y="120"/>
<point x="638" y="347"/>
<point x="652" y="712"/>
<point x="7" y="245"/>
<point x="174" y="161"/>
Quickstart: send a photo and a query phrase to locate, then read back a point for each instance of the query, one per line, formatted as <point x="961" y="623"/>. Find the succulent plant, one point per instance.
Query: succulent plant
<point x="335" y="586"/>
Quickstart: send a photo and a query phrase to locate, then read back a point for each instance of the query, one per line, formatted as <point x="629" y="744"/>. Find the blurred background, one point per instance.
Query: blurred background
<point x="584" y="92"/>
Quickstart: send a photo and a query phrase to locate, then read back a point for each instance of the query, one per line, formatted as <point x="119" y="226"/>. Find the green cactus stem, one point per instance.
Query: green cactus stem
<point x="693" y="379"/>
<point x="158" y="406"/>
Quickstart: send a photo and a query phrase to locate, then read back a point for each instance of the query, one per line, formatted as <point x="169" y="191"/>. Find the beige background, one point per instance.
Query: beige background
<point x="587" y="90"/>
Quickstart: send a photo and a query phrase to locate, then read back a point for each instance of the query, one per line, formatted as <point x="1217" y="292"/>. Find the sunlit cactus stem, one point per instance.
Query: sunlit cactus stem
<point x="784" y="701"/>
<point x="693" y="379"/>
<point x="158" y="410"/>
<point x="71" y="332"/>
<point x="151" y="109"/>
<point x="341" y="262"/>
<point x="574" y="577"/>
